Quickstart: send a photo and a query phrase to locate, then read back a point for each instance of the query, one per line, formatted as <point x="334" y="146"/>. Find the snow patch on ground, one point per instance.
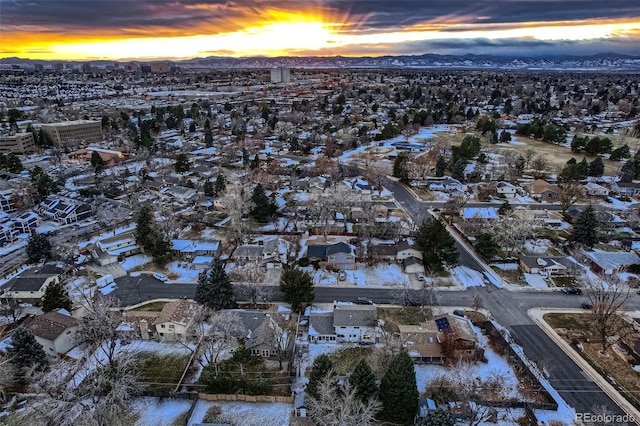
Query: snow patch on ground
<point x="155" y="412"/>
<point x="538" y="246"/>
<point x="183" y="274"/>
<point x="245" y="413"/>
<point x="535" y="280"/>
<point x="135" y="261"/>
<point x="468" y="277"/>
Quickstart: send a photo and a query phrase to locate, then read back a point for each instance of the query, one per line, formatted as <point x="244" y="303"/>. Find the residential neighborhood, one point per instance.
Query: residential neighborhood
<point x="217" y="237"/>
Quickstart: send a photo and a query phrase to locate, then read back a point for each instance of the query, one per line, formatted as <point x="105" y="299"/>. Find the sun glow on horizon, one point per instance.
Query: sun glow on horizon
<point x="278" y="33"/>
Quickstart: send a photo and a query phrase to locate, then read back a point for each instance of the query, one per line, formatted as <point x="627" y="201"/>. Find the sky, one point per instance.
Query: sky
<point x="180" y="29"/>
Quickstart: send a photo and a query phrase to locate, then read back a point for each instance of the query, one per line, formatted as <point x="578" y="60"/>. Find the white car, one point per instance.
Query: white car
<point x="160" y="277"/>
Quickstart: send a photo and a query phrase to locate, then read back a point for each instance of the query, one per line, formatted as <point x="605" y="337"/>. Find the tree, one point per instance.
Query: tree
<point x="441" y="165"/>
<point x="505" y="208"/>
<point x="97" y="162"/>
<point x="457" y="170"/>
<point x="208" y="189"/>
<point x="220" y="185"/>
<point x="570" y="192"/>
<point x="320" y="369"/>
<point x="38" y="248"/>
<point x="438" y="417"/>
<point x="144" y="225"/>
<point x="341" y="406"/>
<point x="263" y="207"/>
<point x="26" y="354"/>
<point x="399" y="391"/>
<point x="208" y="137"/>
<point x="608" y="299"/>
<point x="628" y="171"/>
<point x="486" y="246"/>
<point x="401" y="167"/>
<point x="182" y="163"/>
<point x="224" y="328"/>
<point x="596" y="167"/>
<point x="56" y="297"/>
<point x="437" y="245"/>
<point x="583" y="168"/>
<point x="214" y="289"/>
<point x="296" y="286"/>
<point x="620" y="153"/>
<point x="363" y="381"/>
<point x="42" y="181"/>
<point x="585" y="230"/>
<point x="192" y="127"/>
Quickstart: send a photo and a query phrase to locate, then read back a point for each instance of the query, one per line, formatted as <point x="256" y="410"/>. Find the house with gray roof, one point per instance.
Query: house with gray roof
<point x="321" y="327"/>
<point x="31" y="284"/>
<point x="611" y="262"/>
<point x="355" y="323"/>
<point x="545" y="265"/>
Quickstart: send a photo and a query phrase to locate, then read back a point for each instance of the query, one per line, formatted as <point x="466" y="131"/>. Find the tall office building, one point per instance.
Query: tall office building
<point x="280" y="75"/>
<point x="73" y="133"/>
<point x="20" y="143"/>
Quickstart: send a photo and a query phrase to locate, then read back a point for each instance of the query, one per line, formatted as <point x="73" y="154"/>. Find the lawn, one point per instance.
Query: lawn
<point x="345" y="360"/>
<point x="410" y="315"/>
<point x="151" y="307"/>
<point x="573" y="322"/>
<point x="161" y="372"/>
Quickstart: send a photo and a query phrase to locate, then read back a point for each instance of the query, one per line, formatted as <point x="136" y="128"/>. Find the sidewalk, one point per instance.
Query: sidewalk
<point x="537" y="315"/>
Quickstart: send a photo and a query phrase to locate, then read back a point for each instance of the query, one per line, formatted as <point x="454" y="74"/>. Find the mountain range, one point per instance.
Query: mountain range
<point x="600" y="62"/>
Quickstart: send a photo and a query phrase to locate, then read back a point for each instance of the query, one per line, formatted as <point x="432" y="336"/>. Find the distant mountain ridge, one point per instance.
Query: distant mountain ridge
<point x="597" y="62"/>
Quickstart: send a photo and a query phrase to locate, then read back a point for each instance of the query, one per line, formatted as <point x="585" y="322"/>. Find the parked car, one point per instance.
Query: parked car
<point x="572" y="290"/>
<point x="586" y="305"/>
<point x="420" y="276"/>
<point x="160" y="277"/>
<point x="342" y="275"/>
<point x="364" y="301"/>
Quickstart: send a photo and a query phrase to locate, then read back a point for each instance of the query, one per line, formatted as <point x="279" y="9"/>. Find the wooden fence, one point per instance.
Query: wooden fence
<point x="245" y="398"/>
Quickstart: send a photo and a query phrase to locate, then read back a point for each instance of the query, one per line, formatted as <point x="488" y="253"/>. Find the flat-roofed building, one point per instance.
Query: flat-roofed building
<point x="19" y="143"/>
<point x="73" y="133"/>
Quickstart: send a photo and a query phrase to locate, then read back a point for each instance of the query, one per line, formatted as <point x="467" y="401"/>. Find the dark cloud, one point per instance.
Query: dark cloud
<point x="372" y="14"/>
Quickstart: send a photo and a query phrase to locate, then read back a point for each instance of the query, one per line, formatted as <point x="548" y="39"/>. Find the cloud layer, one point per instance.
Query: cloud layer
<point x="38" y="28"/>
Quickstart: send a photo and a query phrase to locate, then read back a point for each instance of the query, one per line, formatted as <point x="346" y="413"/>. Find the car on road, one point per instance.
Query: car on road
<point x="160" y="277"/>
<point x="586" y="305"/>
<point x="572" y="290"/>
<point x="342" y="275"/>
<point x="364" y="301"/>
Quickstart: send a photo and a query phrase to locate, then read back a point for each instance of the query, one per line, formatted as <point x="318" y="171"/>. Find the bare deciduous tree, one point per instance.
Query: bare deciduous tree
<point x="340" y="408"/>
<point x="225" y="328"/>
<point x="608" y="298"/>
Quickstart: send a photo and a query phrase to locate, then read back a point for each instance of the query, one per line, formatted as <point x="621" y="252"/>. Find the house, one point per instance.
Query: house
<point x="175" y="320"/>
<point x="355" y="323"/>
<point x="506" y="189"/>
<point x="31" y="284"/>
<point x="321" y="327"/>
<point x="55" y="331"/>
<point x="479" y="213"/>
<point x="26" y="222"/>
<point x="7" y="204"/>
<point x="548" y="218"/>
<point x="138" y="324"/>
<point x="406" y="250"/>
<point x="427" y="342"/>
<point x="627" y="189"/>
<point x="546" y="266"/>
<point x="114" y="249"/>
<point x="338" y="255"/>
<point x="299" y="405"/>
<point x="594" y="190"/>
<point x="543" y="191"/>
<point x="260" y="332"/>
<point x="273" y="250"/>
<point x="609" y="263"/>
<point x="383" y="251"/>
<point x="190" y="249"/>
<point x="413" y="265"/>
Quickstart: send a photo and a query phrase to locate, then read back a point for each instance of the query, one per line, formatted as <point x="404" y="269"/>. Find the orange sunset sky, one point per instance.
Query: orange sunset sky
<point x="176" y="29"/>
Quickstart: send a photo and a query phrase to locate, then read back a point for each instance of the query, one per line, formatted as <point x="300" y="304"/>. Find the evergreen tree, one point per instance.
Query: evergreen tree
<point x="214" y="288"/>
<point x="297" y="288"/>
<point x="596" y="167"/>
<point x="13" y="164"/>
<point x="255" y="163"/>
<point x="583" y="168"/>
<point x="620" y="153"/>
<point x="263" y="207"/>
<point x="97" y="162"/>
<point x="400" y="167"/>
<point x="364" y="381"/>
<point x="42" y="181"/>
<point x="192" y="127"/>
<point x="504" y="208"/>
<point x="505" y="137"/>
<point x="438" y="417"/>
<point x="208" y="189"/>
<point x="320" y="368"/>
<point x="182" y="163"/>
<point x="457" y="170"/>
<point x="585" y="230"/>
<point x="486" y="246"/>
<point x="159" y="247"/>
<point x="56" y="297"/>
<point x="399" y="391"/>
<point x="220" y="185"/>
<point x="38" y="248"/>
<point x="25" y="353"/>
<point x="441" y="165"/>
<point x="628" y="171"/>
<point x="437" y="245"/>
<point x="144" y="226"/>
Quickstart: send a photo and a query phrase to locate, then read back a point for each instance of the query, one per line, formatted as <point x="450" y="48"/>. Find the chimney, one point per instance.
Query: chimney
<point x="144" y="329"/>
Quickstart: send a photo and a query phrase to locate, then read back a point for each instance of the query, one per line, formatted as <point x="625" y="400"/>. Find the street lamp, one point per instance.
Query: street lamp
<point x="138" y="286"/>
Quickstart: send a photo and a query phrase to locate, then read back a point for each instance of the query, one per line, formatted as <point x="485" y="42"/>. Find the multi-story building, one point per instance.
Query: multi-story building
<point x="73" y="133"/>
<point x="20" y="143"/>
<point x="280" y="75"/>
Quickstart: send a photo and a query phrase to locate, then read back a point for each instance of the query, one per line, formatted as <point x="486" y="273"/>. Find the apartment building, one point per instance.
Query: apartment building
<point x="73" y="133"/>
<point x="19" y="143"/>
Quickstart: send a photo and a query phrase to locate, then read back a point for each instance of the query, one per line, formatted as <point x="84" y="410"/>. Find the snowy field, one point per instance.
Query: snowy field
<point x="181" y="274"/>
<point x="135" y="261"/>
<point x="155" y="412"/>
<point x="467" y="277"/>
<point x="538" y="246"/>
<point x="382" y="275"/>
<point x="245" y="413"/>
